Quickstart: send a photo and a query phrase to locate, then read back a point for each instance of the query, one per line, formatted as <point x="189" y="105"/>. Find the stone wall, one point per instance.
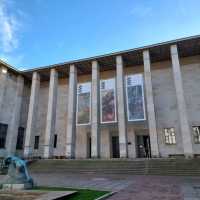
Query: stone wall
<point x="164" y="100"/>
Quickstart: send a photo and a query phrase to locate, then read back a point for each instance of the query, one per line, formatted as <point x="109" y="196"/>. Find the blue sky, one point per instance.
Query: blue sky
<point x="41" y="32"/>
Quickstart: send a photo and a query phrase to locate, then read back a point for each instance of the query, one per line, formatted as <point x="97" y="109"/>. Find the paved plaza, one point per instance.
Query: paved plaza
<point x="127" y="187"/>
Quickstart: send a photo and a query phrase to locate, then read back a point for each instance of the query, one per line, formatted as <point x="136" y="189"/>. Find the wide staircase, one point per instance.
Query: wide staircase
<point x="174" y="167"/>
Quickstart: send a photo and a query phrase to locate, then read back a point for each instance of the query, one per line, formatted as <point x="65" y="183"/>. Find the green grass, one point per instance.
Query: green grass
<point x="82" y="194"/>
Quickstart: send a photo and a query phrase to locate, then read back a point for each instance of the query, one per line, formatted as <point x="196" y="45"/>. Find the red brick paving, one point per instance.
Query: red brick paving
<point x="151" y="188"/>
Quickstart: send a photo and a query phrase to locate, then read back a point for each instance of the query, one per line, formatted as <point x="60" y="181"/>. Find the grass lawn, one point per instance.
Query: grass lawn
<point x="82" y="194"/>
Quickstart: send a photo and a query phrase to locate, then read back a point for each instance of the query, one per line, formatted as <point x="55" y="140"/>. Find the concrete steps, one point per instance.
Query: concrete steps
<point x="175" y="167"/>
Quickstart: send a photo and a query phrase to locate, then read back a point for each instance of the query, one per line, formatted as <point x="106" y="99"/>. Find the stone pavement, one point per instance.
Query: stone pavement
<point x="128" y="187"/>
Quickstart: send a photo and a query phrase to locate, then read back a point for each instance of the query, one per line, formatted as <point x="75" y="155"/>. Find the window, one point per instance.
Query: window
<point x="3" y="134"/>
<point x="37" y="139"/>
<point x="55" y="141"/>
<point x="20" y="138"/>
<point x="196" y="134"/>
<point x="170" y="137"/>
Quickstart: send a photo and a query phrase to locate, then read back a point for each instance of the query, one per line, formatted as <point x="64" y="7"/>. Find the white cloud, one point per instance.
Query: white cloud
<point x="14" y="59"/>
<point x="10" y="27"/>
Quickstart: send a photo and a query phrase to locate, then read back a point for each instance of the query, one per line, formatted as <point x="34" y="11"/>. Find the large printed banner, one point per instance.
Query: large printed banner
<point x="135" y="97"/>
<point x="83" y="103"/>
<point x="108" y="101"/>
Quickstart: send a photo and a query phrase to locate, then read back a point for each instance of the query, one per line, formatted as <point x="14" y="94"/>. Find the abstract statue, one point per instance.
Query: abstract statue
<point x="17" y="172"/>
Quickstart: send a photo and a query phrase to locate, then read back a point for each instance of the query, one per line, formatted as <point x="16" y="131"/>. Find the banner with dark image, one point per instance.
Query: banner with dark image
<point x="135" y="97"/>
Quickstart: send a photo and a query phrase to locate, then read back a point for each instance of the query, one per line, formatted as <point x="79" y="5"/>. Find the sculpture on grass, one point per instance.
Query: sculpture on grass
<point x="18" y="172"/>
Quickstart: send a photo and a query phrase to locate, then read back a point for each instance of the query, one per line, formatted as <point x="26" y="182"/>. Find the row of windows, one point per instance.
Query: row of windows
<point x="170" y="137"/>
<point x="20" y="138"/>
<point x="37" y="141"/>
<point x="169" y="134"/>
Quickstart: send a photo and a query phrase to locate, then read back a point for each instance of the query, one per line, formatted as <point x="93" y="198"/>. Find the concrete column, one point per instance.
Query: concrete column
<point x="150" y="105"/>
<point x="32" y="114"/>
<point x="71" y="120"/>
<point x="121" y="109"/>
<point x="105" y="144"/>
<point x="51" y="115"/>
<point x="95" y="138"/>
<point x="131" y="143"/>
<point x="81" y="143"/>
<point x="3" y="80"/>
<point x="183" y="118"/>
<point x="15" y="120"/>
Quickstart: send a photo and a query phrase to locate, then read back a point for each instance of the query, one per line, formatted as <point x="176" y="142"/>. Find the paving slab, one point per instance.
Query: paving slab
<point x="127" y="187"/>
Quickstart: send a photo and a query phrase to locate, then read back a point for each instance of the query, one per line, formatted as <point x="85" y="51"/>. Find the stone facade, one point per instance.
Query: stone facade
<point x="47" y="107"/>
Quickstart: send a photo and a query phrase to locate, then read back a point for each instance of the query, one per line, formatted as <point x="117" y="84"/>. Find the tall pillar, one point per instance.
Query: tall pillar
<point x="32" y="114"/>
<point x="51" y="115"/>
<point x="15" y="120"/>
<point x="105" y="144"/>
<point x="183" y="118"/>
<point x="150" y="105"/>
<point x="121" y="109"/>
<point x="95" y="137"/>
<point x="71" y="120"/>
<point x="3" y="80"/>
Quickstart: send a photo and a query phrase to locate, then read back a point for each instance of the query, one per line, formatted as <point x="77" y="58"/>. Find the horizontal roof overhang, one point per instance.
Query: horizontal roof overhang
<point x="189" y="46"/>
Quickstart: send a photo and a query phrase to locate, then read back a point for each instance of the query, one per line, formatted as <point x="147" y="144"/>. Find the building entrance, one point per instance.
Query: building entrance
<point x="89" y="146"/>
<point x="143" y="146"/>
<point x="115" y="146"/>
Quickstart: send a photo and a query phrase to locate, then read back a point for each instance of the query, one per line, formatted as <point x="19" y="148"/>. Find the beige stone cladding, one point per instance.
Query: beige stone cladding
<point x="61" y="117"/>
<point x="40" y="122"/>
<point x="165" y="99"/>
<point x="166" y="107"/>
<point x="190" y="68"/>
<point x="24" y="111"/>
<point x="7" y="106"/>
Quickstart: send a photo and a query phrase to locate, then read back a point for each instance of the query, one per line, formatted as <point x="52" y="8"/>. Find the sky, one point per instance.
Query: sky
<point x="36" y="33"/>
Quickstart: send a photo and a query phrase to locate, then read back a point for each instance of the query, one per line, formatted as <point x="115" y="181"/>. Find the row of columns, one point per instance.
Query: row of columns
<point x="14" y="122"/>
<point x="95" y="134"/>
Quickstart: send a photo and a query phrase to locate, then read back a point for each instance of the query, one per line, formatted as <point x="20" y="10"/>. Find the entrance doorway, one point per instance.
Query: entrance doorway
<point x="115" y="146"/>
<point x="89" y="146"/>
<point x="143" y="146"/>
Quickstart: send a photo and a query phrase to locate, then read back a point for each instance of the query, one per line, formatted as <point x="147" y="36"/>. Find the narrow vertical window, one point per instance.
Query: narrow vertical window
<point x="37" y="140"/>
<point x="108" y="101"/>
<point x="20" y="138"/>
<point x="135" y="97"/>
<point x="55" y="141"/>
<point x="3" y="135"/>
<point x="196" y="134"/>
<point x="170" y="137"/>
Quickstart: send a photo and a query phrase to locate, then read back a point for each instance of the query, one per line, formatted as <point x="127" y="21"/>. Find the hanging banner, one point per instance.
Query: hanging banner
<point x="83" y="104"/>
<point x="135" y="97"/>
<point x="108" y="101"/>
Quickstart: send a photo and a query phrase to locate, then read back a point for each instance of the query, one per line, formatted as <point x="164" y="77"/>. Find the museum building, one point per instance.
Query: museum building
<point x="143" y="102"/>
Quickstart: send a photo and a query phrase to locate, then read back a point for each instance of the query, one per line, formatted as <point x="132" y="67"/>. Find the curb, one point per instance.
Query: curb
<point x="105" y="196"/>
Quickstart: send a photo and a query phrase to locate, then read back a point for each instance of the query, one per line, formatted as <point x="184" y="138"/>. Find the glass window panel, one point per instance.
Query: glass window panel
<point x="170" y="137"/>
<point x="37" y="140"/>
<point x="3" y="135"/>
<point x="20" y="138"/>
<point x="196" y="134"/>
